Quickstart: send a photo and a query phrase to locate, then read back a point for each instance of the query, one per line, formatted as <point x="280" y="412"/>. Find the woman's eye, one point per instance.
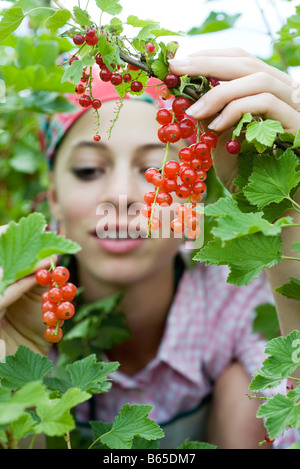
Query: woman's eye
<point x="87" y="174"/>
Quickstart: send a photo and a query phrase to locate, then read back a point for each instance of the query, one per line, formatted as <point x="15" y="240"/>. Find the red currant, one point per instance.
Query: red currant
<point x="169" y="185"/>
<point x="72" y="59"/>
<point x="188" y="176"/>
<point x="65" y="310"/>
<point x="207" y="163"/>
<point x="48" y="306"/>
<point x="127" y="77"/>
<point x="91" y="41"/>
<point x="105" y="74"/>
<point x="171" y="168"/>
<point x="116" y="79"/>
<point x="161" y="134"/>
<point x="150" y="173"/>
<point x="43" y="277"/>
<point x="60" y="275"/>
<point x="165" y="93"/>
<point x="185" y="154"/>
<point x="171" y="80"/>
<point x="158" y="179"/>
<point x="69" y="291"/>
<point x="177" y="226"/>
<point x="187" y="128"/>
<point x="202" y="150"/>
<point x="155" y="223"/>
<point x="49" y="318"/>
<point x="99" y="59"/>
<point x="163" y="116"/>
<point x="96" y="103"/>
<point x="90" y="32"/>
<point x="78" y="39"/>
<point x="136" y="86"/>
<point x="85" y="100"/>
<point x="233" y="147"/>
<point x="164" y="198"/>
<point x="97" y="138"/>
<point x="210" y="138"/>
<point x="180" y="105"/>
<point x="52" y="335"/>
<point x="55" y="295"/>
<point x="149" y="197"/>
<point x="150" y="47"/>
<point x="172" y="132"/>
<point x="198" y="187"/>
<point x="183" y="191"/>
<point x="79" y="89"/>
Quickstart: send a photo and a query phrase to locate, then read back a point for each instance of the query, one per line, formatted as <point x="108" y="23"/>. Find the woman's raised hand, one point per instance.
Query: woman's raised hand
<point x="247" y="85"/>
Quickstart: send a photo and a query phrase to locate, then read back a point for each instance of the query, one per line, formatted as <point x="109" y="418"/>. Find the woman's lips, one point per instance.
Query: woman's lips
<point x="118" y="245"/>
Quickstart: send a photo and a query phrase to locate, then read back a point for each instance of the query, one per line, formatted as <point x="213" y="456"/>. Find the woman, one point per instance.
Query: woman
<point x="191" y="351"/>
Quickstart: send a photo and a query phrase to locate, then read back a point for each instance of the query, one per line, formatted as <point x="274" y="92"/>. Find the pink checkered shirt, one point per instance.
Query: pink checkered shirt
<point x="209" y="324"/>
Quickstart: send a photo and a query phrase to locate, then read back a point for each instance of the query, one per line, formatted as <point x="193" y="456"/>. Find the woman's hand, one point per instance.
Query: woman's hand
<point x="248" y="85"/>
<point x="21" y="315"/>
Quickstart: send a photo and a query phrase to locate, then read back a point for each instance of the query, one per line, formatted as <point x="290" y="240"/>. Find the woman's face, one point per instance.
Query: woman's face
<point x="97" y="184"/>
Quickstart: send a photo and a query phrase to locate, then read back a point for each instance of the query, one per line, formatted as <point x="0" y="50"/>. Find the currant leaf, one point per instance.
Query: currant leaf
<point x="58" y="20"/>
<point x="131" y="421"/>
<point x="25" y="243"/>
<point x="112" y="7"/>
<point x="291" y="289"/>
<point x="246" y="256"/>
<point x="272" y="178"/>
<point x="23" y="367"/>
<point x="233" y="223"/>
<point x="263" y="131"/>
<point x="11" y="20"/>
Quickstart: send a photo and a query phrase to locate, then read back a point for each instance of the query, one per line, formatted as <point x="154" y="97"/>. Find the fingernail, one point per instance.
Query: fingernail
<point x="214" y="124"/>
<point x="195" y="109"/>
<point x="179" y="62"/>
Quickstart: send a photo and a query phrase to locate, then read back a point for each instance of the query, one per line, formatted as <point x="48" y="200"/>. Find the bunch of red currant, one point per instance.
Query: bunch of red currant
<point x="56" y="301"/>
<point x="185" y="179"/>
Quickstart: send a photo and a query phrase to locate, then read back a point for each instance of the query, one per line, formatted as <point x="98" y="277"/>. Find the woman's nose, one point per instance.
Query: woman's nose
<point x="122" y="185"/>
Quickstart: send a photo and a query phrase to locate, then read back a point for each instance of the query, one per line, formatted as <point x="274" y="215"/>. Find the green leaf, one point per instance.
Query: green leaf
<point x="291" y="289"/>
<point x="263" y="131"/>
<point x="56" y="419"/>
<point x="73" y="72"/>
<point x="296" y="247"/>
<point x="284" y="355"/>
<point x="216" y="21"/>
<point x="133" y="20"/>
<point x="279" y="413"/>
<point x="25" y="243"/>
<point x="82" y="17"/>
<point x="23" y="367"/>
<point x="131" y="421"/>
<point x="29" y="395"/>
<point x="146" y="31"/>
<point x="88" y="374"/>
<point x="246" y="256"/>
<point x="58" y="20"/>
<point x="245" y="119"/>
<point x="272" y="179"/>
<point x="187" y="444"/>
<point x="266" y="321"/>
<point x="232" y="222"/>
<point x="112" y="7"/>
<point x="296" y="143"/>
<point x="11" y="20"/>
<point x="23" y="426"/>
<point x="262" y="381"/>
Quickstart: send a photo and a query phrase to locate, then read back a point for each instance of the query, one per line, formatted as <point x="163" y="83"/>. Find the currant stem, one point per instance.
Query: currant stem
<point x="290" y="258"/>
